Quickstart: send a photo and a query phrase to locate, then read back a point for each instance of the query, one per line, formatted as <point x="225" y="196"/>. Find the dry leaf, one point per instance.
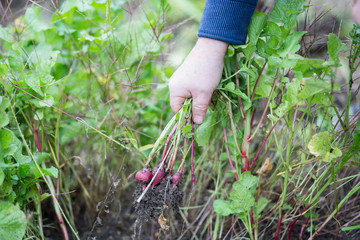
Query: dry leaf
<point x="163" y="223"/>
<point x="267" y="166"/>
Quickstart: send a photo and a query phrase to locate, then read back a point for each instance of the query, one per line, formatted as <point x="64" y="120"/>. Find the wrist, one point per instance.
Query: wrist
<point x="211" y="45"/>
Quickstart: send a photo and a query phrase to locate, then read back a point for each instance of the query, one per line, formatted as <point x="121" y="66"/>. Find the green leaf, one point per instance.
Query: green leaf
<point x="334" y="153"/>
<point x="15" y="58"/>
<point x="291" y="44"/>
<point x="261" y="49"/>
<point x="259" y="206"/>
<point x="6" y="138"/>
<point x="272" y="118"/>
<point x="205" y="130"/>
<point x="314" y="86"/>
<point x="82" y="5"/>
<point x="241" y="196"/>
<point x="276" y="61"/>
<point x="34" y="21"/>
<point x="41" y="156"/>
<point x="33" y="81"/>
<point x="187" y="128"/>
<point x="274" y="30"/>
<point x="39" y="115"/>
<point x="320" y="143"/>
<point x="247" y="181"/>
<point x="4" y="119"/>
<point x="49" y="100"/>
<point x="256" y="26"/>
<point x="3" y="69"/>
<point x="24" y="171"/>
<point x="264" y="87"/>
<point x="242" y="199"/>
<point x="286" y="12"/>
<point x="223" y="207"/>
<point x="295" y="95"/>
<point x="320" y="146"/>
<point x="12" y="222"/>
<point x="230" y="87"/>
<point x="52" y="171"/>
<point x="247" y="49"/>
<point x="44" y="59"/>
<point x="4" y="103"/>
<point x="2" y="177"/>
<point x="306" y="67"/>
<point x="17" y="145"/>
<point x="5" y="34"/>
<point x="335" y="46"/>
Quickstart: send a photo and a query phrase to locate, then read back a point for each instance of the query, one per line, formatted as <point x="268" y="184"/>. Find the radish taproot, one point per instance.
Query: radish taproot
<point x="159" y="176"/>
<point x="176" y="179"/>
<point x="144" y="175"/>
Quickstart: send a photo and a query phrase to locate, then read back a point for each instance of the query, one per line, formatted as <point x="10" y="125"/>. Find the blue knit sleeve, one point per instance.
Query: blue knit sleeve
<point x="227" y="20"/>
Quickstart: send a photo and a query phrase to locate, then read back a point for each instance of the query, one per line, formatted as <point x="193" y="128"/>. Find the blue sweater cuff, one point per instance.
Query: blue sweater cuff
<point x="227" y="20"/>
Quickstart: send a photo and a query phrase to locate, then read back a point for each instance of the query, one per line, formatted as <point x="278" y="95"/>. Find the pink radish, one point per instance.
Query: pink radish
<point x="176" y="179"/>
<point x="159" y="176"/>
<point x="144" y="175"/>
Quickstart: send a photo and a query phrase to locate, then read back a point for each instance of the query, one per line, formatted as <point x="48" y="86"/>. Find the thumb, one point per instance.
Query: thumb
<point x="200" y="106"/>
<point x="176" y="103"/>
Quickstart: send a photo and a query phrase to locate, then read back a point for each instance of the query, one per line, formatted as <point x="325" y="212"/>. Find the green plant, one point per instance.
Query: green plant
<point x="79" y="72"/>
<point x="84" y="94"/>
<point x="273" y="68"/>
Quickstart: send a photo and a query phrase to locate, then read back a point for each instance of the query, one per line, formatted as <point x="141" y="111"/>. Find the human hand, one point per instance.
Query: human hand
<point x="198" y="76"/>
<point x="356" y="11"/>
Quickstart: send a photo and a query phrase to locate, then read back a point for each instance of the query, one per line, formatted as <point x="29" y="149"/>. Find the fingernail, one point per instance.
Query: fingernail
<point x="198" y="119"/>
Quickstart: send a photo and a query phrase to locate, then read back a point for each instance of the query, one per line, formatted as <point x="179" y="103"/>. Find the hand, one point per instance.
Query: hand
<point x="198" y="77"/>
<point x="356" y="11"/>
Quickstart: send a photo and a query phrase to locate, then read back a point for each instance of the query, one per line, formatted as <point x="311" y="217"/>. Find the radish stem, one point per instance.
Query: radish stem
<point x="192" y="155"/>
<point x="228" y="155"/>
<point x="159" y="140"/>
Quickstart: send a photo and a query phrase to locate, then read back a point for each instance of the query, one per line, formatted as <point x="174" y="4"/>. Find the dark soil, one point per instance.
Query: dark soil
<point x="156" y="199"/>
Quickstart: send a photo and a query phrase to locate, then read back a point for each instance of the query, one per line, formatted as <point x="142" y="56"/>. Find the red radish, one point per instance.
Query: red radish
<point x="176" y="179"/>
<point x="144" y="175"/>
<point x="159" y="176"/>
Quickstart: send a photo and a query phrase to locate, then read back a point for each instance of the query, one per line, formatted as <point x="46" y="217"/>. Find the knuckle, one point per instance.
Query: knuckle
<point x="200" y="108"/>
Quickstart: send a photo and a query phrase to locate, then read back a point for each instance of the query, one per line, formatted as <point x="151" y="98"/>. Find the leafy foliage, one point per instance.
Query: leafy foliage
<point x="12" y="222"/>
<point x="88" y="53"/>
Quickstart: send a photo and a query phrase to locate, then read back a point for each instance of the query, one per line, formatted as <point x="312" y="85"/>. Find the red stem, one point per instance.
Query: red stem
<point x="37" y="138"/>
<point x="168" y="141"/>
<point x="182" y="164"/>
<point x="256" y="83"/>
<point x="267" y="104"/>
<point x="246" y="163"/>
<point x="278" y="227"/>
<point x="54" y="198"/>
<point x="58" y="177"/>
<point x="192" y="155"/>
<point x="228" y="155"/>
<point x="263" y="143"/>
<point x="297" y="218"/>
<point x="172" y="159"/>
<point x="252" y="222"/>
<point x="303" y="228"/>
<point x="61" y="221"/>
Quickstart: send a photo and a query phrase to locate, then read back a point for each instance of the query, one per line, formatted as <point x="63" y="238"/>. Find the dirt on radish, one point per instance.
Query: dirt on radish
<point x="157" y="199"/>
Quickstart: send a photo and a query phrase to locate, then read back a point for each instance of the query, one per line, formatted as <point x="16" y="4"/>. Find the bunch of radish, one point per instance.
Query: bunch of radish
<point x="180" y="129"/>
